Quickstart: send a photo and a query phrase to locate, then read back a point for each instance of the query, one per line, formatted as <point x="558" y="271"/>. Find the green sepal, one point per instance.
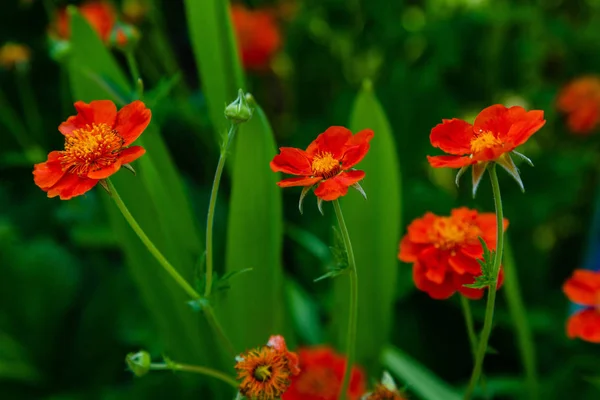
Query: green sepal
<point x="340" y="257"/>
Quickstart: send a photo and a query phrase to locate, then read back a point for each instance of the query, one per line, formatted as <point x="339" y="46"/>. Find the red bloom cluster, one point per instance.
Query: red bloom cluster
<point x="580" y="101"/>
<point x="322" y="375"/>
<point x="444" y="251"/>
<point x="257" y="35"/>
<point x="327" y="162"/>
<point x="584" y="288"/>
<point x="96" y="141"/>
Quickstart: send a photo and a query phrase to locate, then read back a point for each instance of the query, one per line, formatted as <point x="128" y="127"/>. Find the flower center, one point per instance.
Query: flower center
<point x="91" y="148"/>
<point x="484" y="140"/>
<point x="325" y="165"/>
<point x="320" y="382"/>
<point x="448" y="232"/>
<point x="262" y="372"/>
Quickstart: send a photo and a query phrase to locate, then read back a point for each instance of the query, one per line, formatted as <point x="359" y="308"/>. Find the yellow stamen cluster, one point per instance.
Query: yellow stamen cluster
<point x="264" y="373"/>
<point x="91" y="148"/>
<point x="325" y="165"/>
<point x="484" y="140"/>
<point x="447" y="232"/>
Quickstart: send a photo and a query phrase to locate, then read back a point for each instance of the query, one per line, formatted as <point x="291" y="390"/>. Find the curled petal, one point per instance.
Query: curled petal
<point x="462" y="264"/>
<point x="98" y="112"/>
<point x="46" y="174"/>
<point x="132" y="120"/>
<point x="337" y="186"/>
<point x="522" y="130"/>
<point x="357" y="149"/>
<point x="71" y="185"/>
<point x="452" y="136"/>
<point x="105" y="172"/>
<point x="498" y="119"/>
<point x="450" y="161"/>
<point x="585" y="325"/>
<point x="300" y="181"/>
<point x="435" y="262"/>
<point x="131" y="154"/>
<point x="583" y="287"/>
<point x="440" y="291"/>
<point x="292" y="161"/>
<point x="333" y="141"/>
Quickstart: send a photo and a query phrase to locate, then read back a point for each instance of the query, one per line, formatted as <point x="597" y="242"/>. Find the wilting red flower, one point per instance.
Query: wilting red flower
<point x="257" y="35"/>
<point x="584" y="288"/>
<point x="13" y="54"/>
<point x="100" y="14"/>
<point x="266" y="372"/>
<point x="327" y="162"/>
<point x="322" y="375"/>
<point x="96" y="141"/>
<point x="444" y="251"/>
<point x="496" y="133"/>
<point x="580" y="100"/>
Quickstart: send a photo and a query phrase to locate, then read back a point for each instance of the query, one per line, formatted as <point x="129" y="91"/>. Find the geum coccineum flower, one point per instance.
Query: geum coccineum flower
<point x="101" y="15"/>
<point x="583" y="288"/>
<point x="321" y="376"/>
<point x="493" y="137"/>
<point x="326" y="163"/>
<point x="444" y="251"/>
<point x="266" y="372"/>
<point x="96" y="146"/>
<point x="580" y="101"/>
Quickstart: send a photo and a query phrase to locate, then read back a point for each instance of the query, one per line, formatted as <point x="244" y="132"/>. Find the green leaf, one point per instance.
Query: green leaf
<point x="487" y="276"/>
<point x="155" y="197"/>
<point x="304" y="313"/>
<point x="253" y="308"/>
<point x="417" y="378"/>
<point x="374" y="227"/>
<point x="216" y="55"/>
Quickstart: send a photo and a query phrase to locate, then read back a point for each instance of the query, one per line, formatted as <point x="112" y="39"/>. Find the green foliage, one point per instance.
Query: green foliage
<point x="487" y="277"/>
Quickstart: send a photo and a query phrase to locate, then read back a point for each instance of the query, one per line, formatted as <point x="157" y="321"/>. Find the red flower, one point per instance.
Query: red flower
<point x="322" y="375"/>
<point x="96" y="141"/>
<point x="580" y="100"/>
<point x="257" y="35"/>
<point x="327" y="162"/>
<point x="444" y="251"/>
<point x="278" y="343"/>
<point x="101" y="15"/>
<point x="496" y="133"/>
<point x="584" y="288"/>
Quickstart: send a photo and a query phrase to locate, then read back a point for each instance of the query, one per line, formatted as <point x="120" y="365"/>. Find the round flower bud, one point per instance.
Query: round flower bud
<point x="139" y="363"/>
<point x="239" y="111"/>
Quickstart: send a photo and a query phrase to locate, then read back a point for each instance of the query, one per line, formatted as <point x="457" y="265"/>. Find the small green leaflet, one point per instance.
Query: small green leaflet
<point x="488" y="276"/>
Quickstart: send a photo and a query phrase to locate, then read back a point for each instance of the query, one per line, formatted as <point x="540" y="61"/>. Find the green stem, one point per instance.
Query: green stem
<point x="9" y="118"/>
<point x="30" y="107"/>
<point x="212" y="205"/>
<point x="135" y="73"/>
<point x="148" y="243"/>
<point x="466" y="307"/>
<point x="518" y="314"/>
<point x="352" y="320"/>
<point x="197" y="370"/>
<point x="491" y="299"/>
<point x="216" y="327"/>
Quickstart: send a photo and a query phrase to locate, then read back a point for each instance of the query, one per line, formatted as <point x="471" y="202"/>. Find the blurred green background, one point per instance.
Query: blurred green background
<point x="72" y="305"/>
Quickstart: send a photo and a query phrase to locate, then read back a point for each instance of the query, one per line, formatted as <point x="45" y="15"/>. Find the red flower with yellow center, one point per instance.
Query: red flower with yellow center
<point x="13" y="54"/>
<point x="101" y="15"/>
<point x="583" y="288"/>
<point x="257" y="35"/>
<point x="580" y="100"/>
<point x="327" y="162"/>
<point x="96" y="146"/>
<point x="493" y="137"/>
<point x="444" y="251"/>
<point x="266" y="372"/>
<point x="322" y="375"/>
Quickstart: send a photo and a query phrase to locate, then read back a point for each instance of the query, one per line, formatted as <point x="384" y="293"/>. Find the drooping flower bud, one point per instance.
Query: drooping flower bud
<point x="139" y="363"/>
<point x="239" y="111"/>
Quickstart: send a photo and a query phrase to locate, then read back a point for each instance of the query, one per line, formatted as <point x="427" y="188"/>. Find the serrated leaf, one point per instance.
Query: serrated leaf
<point x="332" y="274"/>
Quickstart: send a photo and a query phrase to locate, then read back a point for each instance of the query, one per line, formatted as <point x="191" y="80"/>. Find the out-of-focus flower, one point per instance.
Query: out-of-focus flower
<point x="124" y="36"/>
<point x="583" y="288"/>
<point x="327" y="162"/>
<point x="322" y="375"/>
<point x="258" y="36"/>
<point x="493" y="137"/>
<point x="580" y="101"/>
<point x="101" y="15"/>
<point x="96" y="146"/>
<point x="444" y="251"/>
<point x="385" y="390"/>
<point x="134" y="11"/>
<point x="14" y="55"/>
<point x="266" y="372"/>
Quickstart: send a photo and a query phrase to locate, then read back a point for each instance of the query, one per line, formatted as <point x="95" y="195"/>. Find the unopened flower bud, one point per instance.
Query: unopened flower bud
<point x="124" y="36"/>
<point x="239" y="111"/>
<point x="139" y="363"/>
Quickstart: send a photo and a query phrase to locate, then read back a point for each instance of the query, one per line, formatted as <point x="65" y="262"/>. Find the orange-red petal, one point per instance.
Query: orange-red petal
<point x="463" y="264"/>
<point x="333" y="141"/>
<point x="583" y="287"/>
<point x="337" y="186"/>
<point x="522" y="130"/>
<point x="292" y="161"/>
<point x="358" y="147"/>
<point x="46" y="174"/>
<point x="452" y="136"/>
<point x="585" y="325"/>
<point x="132" y="120"/>
<point x="98" y="111"/>
<point x="300" y="181"/>
<point x="131" y="154"/>
<point x="450" y="161"/>
<point x="440" y="291"/>
<point x="71" y="185"/>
